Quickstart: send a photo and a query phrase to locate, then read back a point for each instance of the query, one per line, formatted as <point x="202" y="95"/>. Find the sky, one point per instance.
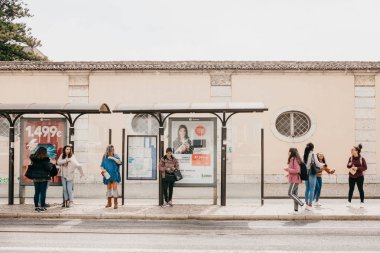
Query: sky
<point x="250" y="30"/>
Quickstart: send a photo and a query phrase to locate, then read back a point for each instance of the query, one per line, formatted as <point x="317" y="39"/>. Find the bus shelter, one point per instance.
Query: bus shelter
<point x="71" y="112"/>
<point x="223" y="111"/>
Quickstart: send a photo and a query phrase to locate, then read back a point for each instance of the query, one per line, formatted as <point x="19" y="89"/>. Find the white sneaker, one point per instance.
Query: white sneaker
<point x="317" y="203"/>
<point x="294" y="213"/>
<point x="362" y="205"/>
<point x="308" y="208"/>
<point x="348" y="204"/>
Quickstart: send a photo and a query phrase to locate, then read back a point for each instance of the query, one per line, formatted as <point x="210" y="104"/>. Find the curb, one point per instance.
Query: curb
<point x="189" y="217"/>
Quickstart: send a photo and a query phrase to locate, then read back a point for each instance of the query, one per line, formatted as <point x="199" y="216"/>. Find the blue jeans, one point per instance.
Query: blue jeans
<point x="67" y="189"/>
<point x="47" y="186"/>
<point x="40" y="193"/>
<point x="310" y="188"/>
<point x="318" y="188"/>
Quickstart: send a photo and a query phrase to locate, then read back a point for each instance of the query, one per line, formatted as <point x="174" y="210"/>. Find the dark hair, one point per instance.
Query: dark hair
<point x="323" y="160"/>
<point x="308" y="149"/>
<point x="41" y="153"/>
<point x="358" y="148"/>
<point x="168" y="150"/>
<point x="294" y="153"/>
<point x="64" y="151"/>
<point x="187" y="132"/>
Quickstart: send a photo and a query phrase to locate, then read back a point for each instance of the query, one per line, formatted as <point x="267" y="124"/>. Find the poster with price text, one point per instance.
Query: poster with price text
<point x="47" y="132"/>
<point x="194" y="145"/>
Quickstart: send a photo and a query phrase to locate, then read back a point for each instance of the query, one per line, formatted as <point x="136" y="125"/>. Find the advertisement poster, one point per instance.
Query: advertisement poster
<point x="142" y="157"/>
<point x="194" y="145"/>
<point x="35" y="132"/>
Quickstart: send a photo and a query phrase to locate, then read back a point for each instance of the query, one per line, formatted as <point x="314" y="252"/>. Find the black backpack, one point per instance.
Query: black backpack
<point x="303" y="172"/>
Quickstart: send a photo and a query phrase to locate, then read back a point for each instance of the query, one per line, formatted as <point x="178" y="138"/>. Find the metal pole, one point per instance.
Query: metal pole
<point x="71" y="134"/>
<point x="109" y="136"/>
<point x="11" y="165"/>
<point x="224" y="166"/>
<point x="123" y="166"/>
<point x="262" y="166"/>
<point x="161" y="154"/>
<point x="72" y="143"/>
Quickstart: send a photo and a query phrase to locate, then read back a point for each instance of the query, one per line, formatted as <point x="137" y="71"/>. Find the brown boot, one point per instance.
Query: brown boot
<point x="109" y="202"/>
<point x="114" y="203"/>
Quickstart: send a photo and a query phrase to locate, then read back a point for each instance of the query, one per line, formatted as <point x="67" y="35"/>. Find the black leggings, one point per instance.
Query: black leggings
<point x="167" y="185"/>
<point x="359" y="181"/>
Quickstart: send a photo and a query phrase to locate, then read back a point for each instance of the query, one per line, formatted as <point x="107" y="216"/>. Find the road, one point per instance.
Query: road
<point x="22" y="235"/>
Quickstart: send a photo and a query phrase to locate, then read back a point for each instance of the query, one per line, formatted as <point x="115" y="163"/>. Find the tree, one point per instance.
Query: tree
<point x="16" y="40"/>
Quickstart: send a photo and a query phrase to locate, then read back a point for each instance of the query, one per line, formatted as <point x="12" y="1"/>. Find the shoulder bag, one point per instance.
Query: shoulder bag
<point x="313" y="167"/>
<point x="29" y="172"/>
<point x="178" y="175"/>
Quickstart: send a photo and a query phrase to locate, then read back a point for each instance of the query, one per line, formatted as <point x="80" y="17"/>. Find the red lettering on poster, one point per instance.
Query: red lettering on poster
<point x="201" y="160"/>
<point x="48" y="133"/>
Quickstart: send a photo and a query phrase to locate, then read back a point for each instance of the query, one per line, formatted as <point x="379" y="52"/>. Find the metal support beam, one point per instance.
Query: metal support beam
<point x="123" y="160"/>
<point x="71" y="134"/>
<point x="161" y="144"/>
<point x="11" y="164"/>
<point x="262" y="166"/>
<point x="224" y="167"/>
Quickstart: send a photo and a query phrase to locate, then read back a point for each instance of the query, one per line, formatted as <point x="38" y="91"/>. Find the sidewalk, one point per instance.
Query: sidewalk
<point x="237" y="209"/>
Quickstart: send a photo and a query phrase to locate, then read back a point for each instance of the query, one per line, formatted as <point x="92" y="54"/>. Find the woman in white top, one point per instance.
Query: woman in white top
<point x="310" y="157"/>
<point x="68" y="164"/>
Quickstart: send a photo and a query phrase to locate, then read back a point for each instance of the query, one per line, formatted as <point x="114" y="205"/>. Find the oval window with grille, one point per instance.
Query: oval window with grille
<point x="145" y="124"/>
<point x="293" y="124"/>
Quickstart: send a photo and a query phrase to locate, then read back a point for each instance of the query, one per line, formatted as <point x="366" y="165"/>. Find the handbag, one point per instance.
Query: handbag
<point x="178" y="175"/>
<point x="53" y="171"/>
<point x="313" y="167"/>
<point x="29" y="172"/>
<point x="352" y="171"/>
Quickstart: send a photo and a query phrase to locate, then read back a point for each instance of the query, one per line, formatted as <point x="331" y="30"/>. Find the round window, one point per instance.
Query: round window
<point x="145" y="124"/>
<point x="293" y="124"/>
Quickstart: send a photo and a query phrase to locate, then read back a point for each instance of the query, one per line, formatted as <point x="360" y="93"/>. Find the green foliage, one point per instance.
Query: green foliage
<point x="16" y="41"/>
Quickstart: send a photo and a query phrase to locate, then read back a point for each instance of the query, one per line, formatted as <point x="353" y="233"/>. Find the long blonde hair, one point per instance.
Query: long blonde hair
<point x="108" y="151"/>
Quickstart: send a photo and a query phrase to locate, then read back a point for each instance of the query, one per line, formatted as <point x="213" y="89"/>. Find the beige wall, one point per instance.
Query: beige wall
<point x="28" y="88"/>
<point x="377" y="83"/>
<point x="330" y="99"/>
<point x="137" y="88"/>
<point x="33" y="88"/>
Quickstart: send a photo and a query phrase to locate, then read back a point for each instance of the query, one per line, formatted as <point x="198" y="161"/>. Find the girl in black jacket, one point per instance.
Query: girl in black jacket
<point x="41" y="169"/>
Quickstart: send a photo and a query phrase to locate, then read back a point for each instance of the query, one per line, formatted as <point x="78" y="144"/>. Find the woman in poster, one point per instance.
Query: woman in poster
<point x="68" y="164"/>
<point x="111" y="174"/>
<point x="183" y="145"/>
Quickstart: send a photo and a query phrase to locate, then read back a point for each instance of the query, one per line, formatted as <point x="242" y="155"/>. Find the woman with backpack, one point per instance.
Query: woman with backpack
<point x="312" y="164"/>
<point x="318" y="185"/>
<point x="293" y="169"/>
<point x="42" y="170"/>
<point x="357" y="165"/>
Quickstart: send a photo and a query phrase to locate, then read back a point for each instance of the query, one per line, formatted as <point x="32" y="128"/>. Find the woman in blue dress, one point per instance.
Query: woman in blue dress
<point x="111" y="174"/>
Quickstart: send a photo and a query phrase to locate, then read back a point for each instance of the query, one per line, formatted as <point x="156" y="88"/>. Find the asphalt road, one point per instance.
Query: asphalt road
<point x="20" y="235"/>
